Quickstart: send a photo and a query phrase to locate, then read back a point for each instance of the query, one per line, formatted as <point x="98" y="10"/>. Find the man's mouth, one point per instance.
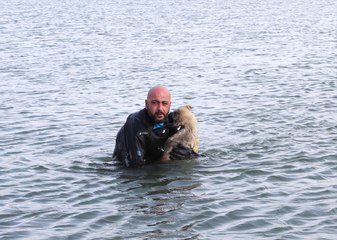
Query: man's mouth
<point x="160" y="114"/>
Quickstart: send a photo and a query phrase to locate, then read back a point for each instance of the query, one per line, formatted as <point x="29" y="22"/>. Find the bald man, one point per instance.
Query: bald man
<point x="142" y="138"/>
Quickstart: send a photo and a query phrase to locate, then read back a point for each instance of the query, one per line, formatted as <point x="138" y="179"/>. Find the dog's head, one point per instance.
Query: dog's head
<point x="182" y="116"/>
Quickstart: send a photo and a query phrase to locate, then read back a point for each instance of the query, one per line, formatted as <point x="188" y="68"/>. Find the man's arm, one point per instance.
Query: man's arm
<point x="134" y="142"/>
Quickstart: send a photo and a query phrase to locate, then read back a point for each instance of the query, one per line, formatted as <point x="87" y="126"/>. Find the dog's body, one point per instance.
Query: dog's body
<point x="187" y="134"/>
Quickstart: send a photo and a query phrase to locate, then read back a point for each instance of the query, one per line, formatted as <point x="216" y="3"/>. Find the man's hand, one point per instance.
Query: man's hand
<point x="180" y="152"/>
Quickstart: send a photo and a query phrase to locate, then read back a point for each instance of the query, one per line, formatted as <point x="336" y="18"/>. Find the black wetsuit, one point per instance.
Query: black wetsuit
<point x="138" y="143"/>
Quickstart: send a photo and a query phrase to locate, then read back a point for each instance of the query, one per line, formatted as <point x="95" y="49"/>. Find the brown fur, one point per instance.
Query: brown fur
<point x="186" y="136"/>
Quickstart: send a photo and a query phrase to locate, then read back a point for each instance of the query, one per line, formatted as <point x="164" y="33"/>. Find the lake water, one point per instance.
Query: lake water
<point x="261" y="76"/>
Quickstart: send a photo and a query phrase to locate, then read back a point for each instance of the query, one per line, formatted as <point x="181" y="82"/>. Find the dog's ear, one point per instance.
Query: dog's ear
<point x="170" y="118"/>
<point x="189" y="106"/>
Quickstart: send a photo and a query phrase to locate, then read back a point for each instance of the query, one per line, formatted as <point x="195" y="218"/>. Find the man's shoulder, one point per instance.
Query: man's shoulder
<point x="137" y="116"/>
<point x="140" y="118"/>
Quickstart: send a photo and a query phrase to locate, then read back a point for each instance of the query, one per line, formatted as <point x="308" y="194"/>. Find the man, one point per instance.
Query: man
<point x="142" y="138"/>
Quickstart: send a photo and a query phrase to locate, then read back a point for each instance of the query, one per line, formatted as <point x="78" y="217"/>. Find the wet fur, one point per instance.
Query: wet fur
<point x="186" y="136"/>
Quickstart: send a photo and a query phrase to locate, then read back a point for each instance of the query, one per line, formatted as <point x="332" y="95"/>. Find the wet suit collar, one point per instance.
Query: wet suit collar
<point x="158" y="125"/>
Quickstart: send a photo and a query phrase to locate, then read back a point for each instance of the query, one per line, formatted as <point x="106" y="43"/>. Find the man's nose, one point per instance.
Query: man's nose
<point x="161" y="107"/>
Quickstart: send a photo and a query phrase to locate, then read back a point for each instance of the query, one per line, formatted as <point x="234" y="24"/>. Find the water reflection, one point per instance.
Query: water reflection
<point x="152" y="197"/>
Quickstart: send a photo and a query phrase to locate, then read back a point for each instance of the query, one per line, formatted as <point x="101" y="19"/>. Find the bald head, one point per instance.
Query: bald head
<point x="158" y="103"/>
<point x="159" y="90"/>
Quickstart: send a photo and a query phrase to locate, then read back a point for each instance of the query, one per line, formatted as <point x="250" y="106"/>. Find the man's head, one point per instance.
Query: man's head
<point x="158" y="103"/>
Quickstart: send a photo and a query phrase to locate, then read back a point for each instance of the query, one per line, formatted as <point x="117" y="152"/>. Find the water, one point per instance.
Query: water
<point x="261" y="76"/>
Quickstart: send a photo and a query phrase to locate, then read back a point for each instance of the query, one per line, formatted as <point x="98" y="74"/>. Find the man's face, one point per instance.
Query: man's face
<point x="158" y="105"/>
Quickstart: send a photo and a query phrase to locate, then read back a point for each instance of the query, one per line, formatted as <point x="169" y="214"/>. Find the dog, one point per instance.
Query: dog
<point x="187" y="135"/>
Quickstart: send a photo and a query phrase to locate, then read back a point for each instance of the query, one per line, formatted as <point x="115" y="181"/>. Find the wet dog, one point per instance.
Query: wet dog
<point x="187" y="134"/>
